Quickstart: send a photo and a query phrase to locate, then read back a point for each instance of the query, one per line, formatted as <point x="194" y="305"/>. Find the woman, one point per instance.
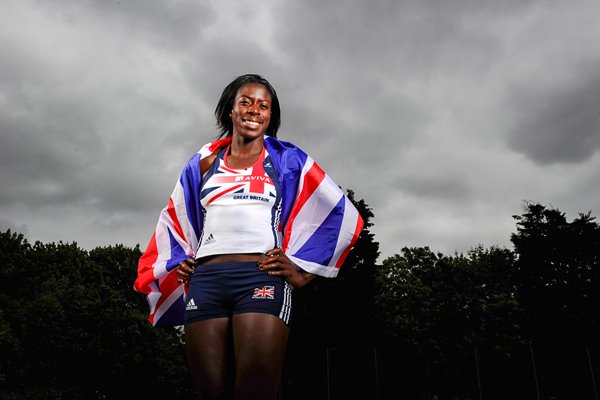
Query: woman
<point x="251" y="218"/>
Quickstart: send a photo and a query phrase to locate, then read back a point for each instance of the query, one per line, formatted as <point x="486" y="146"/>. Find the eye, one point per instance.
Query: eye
<point x="264" y="107"/>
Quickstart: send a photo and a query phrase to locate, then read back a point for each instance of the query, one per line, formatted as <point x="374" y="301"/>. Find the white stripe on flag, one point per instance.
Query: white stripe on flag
<point x="346" y="232"/>
<point x="164" y="307"/>
<point x="305" y="168"/>
<point x="188" y="243"/>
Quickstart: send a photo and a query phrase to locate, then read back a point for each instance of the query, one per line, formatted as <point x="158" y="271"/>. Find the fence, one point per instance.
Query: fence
<point x="529" y="371"/>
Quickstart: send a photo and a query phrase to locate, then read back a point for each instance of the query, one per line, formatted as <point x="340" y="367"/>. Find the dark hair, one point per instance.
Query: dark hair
<point x="225" y="105"/>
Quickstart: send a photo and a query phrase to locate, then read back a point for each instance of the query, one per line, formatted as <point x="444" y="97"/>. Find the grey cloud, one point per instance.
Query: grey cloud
<point x="211" y="66"/>
<point x="6" y="224"/>
<point x="388" y="39"/>
<point x="356" y="67"/>
<point x="102" y="103"/>
<point x="166" y="23"/>
<point x="434" y="187"/>
<point x="39" y="160"/>
<point x="559" y="121"/>
<point x="74" y="133"/>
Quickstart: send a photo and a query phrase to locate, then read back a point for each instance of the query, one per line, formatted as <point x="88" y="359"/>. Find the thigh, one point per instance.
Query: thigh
<point x="257" y="292"/>
<point x="259" y="342"/>
<point x="206" y="344"/>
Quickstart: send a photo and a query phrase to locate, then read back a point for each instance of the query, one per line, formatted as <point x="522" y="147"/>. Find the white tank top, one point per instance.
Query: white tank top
<point x="241" y="209"/>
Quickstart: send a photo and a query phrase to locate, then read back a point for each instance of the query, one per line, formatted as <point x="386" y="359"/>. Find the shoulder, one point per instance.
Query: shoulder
<point x="202" y="159"/>
<point x="207" y="154"/>
<point x="213" y="147"/>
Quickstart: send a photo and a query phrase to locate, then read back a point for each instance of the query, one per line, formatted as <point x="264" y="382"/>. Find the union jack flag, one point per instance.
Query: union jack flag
<point x="265" y="292"/>
<point x="318" y="222"/>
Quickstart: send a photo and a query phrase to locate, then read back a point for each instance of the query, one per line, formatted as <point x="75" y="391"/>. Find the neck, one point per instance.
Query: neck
<point x="241" y="146"/>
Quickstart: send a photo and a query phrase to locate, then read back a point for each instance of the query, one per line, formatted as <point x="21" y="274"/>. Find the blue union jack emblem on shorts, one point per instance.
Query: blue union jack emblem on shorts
<point x="265" y="292"/>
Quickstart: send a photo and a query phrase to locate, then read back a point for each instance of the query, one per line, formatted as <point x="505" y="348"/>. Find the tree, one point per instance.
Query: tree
<point x="439" y="311"/>
<point x="71" y="319"/>
<point x="558" y="270"/>
<point x="558" y="273"/>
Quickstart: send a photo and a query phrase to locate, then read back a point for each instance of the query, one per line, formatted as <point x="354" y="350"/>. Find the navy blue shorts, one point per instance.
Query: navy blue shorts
<point x="222" y="290"/>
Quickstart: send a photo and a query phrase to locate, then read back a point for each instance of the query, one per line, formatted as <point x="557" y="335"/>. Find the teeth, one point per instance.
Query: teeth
<point x="253" y="123"/>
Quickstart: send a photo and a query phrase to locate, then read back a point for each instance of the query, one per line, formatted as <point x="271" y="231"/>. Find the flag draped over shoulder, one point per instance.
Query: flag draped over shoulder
<point x="318" y="222"/>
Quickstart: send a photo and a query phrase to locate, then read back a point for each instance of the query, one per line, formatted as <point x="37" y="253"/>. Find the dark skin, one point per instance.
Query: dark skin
<point x="251" y="114"/>
<point x="259" y="340"/>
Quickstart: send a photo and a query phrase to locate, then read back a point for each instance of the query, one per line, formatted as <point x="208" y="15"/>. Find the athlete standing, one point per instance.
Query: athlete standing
<point x="251" y="219"/>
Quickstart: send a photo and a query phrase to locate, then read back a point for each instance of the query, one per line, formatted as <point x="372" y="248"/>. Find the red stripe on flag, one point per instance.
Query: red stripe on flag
<point x="176" y="224"/>
<point x="312" y="180"/>
<point x="357" y="230"/>
<point x="167" y="286"/>
<point x="145" y="267"/>
<point x="217" y="144"/>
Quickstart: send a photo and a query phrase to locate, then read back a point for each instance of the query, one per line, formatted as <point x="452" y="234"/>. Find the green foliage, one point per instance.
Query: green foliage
<point x="558" y="284"/>
<point x="558" y="278"/>
<point x="437" y="311"/>
<point x="71" y="319"/>
<point x="442" y="312"/>
<point x="430" y="300"/>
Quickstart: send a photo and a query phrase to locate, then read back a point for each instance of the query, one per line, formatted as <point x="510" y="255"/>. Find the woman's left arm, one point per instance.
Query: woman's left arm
<point x="276" y="263"/>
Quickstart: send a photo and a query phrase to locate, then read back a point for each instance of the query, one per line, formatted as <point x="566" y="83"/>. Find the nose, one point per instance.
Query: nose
<point x="253" y="109"/>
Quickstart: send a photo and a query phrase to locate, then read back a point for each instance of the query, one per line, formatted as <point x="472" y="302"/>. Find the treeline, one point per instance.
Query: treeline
<point x="493" y="323"/>
<point x="490" y="324"/>
<point x="71" y="326"/>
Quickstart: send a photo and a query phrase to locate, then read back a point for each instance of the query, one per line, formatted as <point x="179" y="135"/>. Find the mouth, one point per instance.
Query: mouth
<point x="251" y="123"/>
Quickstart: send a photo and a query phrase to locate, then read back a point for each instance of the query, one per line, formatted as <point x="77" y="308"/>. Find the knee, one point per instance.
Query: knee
<point x="257" y="386"/>
<point x="206" y="393"/>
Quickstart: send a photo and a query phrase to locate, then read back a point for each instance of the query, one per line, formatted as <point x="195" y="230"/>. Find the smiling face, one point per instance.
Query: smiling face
<point x="251" y="111"/>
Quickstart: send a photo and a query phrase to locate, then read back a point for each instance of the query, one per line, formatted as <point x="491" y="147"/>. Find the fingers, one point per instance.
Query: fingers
<point x="277" y="251"/>
<point x="276" y="263"/>
<point x="185" y="269"/>
<point x="190" y="262"/>
<point x="275" y="260"/>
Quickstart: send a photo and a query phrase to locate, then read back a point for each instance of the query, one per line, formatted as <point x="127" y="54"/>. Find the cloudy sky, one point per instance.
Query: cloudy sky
<point x="444" y="116"/>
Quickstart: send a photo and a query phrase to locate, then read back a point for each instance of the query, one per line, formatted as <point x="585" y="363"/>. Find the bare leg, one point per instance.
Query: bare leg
<point x="259" y="343"/>
<point x="206" y="346"/>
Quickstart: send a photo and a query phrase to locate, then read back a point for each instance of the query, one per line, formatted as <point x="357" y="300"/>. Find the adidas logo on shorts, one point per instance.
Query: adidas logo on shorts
<point x="191" y="305"/>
